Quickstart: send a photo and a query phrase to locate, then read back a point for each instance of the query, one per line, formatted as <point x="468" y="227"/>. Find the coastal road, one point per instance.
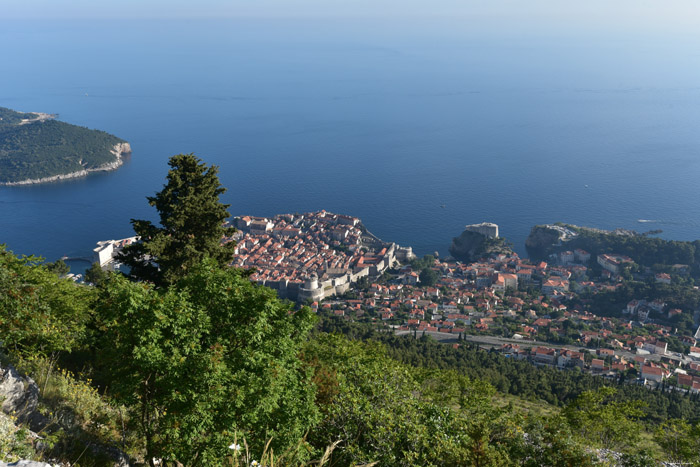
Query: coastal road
<point x="496" y="342"/>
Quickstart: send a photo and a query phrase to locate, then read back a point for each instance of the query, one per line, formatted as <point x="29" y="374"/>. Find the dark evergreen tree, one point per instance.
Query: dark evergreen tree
<point x="59" y="267"/>
<point x="192" y="225"/>
<point x="95" y="275"/>
<point x="428" y="277"/>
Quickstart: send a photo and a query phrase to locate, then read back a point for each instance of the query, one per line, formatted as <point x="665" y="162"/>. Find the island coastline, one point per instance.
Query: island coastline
<point x="119" y="150"/>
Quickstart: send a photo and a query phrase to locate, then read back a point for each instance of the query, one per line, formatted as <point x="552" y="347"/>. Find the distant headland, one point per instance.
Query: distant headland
<point x="36" y="148"/>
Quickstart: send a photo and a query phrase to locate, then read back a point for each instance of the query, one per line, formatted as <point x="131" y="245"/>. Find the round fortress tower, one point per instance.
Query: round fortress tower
<point x="311" y="282"/>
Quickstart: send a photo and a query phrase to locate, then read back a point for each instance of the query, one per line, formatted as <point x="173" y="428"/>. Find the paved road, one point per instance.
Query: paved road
<point x="497" y="342"/>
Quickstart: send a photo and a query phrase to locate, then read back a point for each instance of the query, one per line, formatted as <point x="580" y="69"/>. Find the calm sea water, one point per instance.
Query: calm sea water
<point x="389" y="125"/>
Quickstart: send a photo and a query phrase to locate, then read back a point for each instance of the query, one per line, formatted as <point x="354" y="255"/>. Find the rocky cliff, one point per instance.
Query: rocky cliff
<point x="542" y="239"/>
<point x="470" y="246"/>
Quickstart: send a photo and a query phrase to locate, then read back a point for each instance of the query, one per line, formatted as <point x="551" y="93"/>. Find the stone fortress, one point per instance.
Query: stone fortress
<point x="486" y="229"/>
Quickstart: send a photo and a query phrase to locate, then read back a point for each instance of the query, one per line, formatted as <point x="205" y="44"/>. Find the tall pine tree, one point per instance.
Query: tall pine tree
<point x="191" y="225"/>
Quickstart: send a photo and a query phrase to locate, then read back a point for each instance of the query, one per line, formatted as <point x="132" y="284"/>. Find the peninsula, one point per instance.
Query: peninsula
<point x="36" y="148"/>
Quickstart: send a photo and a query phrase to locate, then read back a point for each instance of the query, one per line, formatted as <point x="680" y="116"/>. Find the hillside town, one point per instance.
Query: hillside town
<point x="532" y="311"/>
<point x="542" y="311"/>
<point x="524" y="310"/>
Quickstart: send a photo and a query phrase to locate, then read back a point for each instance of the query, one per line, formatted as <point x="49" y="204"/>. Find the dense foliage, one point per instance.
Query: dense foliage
<point x="611" y="303"/>
<point x="643" y="249"/>
<point x="40" y="313"/>
<point x="384" y="411"/>
<point x="211" y="358"/>
<point x="214" y="358"/>
<point x="47" y="148"/>
<point x="11" y="117"/>
<point x="518" y="377"/>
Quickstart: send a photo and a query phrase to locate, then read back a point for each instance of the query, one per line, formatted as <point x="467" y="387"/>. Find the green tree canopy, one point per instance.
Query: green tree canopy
<point x="191" y="225"/>
<point x="59" y="267"/>
<point x="379" y="410"/>
<point x="40" y="313"/>
<point x="680" y="441"/>
<point x="428" y="277"/>
<point x="211" y="358"/>
<point x="95" y="275"/>
<point x="603" y="420"/>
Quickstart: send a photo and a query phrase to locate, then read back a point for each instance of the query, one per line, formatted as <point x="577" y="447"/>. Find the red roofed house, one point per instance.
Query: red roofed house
<point x="597" y="364"/>
<point x="653" y="374"/>
<point x="685" y="380"/>
<point x="613" y="263"/>
<point x="544" y="355"/>
<point x="568" y="358"/>
<point x="553" y="284"/>
<point x="663" y="277"/>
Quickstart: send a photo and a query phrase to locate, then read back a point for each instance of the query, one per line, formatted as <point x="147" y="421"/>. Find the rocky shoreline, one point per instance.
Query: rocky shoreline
<point x="118" y="150"/>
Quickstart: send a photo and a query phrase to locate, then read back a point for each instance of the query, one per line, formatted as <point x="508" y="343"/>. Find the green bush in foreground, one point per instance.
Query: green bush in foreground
<point x="205" y="361"/>
<point x="378" y="409"/>
<point x="40" y="313"/>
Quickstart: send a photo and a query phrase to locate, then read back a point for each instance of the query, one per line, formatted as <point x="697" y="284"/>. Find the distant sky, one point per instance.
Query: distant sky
<point x="639" y="15"/>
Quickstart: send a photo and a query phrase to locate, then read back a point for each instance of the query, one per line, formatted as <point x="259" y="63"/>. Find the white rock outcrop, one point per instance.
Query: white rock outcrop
<point x="19" y="394"/>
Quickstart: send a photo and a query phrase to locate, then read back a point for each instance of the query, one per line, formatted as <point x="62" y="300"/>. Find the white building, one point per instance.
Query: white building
<point x="102" y="254"/>
<point x="107" y="250"/>
<point x="582" y="255"/>
<point x="613" y="263"/>
<point x="566" y="257"/>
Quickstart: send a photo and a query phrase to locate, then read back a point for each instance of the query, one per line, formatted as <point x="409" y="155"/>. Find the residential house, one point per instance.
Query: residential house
<point x="555" y="284"/>
<point x="582" y="255"/>
<point x="663" y="278"/>
<point x="652" y="373"/>
<point x="613" y="263"/>
<point x="568" y="358"/>
<point x="544" y="355"/>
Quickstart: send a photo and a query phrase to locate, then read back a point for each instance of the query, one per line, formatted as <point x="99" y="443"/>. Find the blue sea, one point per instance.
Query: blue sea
<point x="416" y="129"/>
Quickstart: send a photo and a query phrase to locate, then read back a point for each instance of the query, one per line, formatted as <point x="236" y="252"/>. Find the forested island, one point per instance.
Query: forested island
<point x="36" y="148"/>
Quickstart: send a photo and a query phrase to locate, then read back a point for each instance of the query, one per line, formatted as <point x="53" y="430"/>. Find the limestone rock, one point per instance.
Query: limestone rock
<point x="19" y="394"/>
<point x="477" y="241"/>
